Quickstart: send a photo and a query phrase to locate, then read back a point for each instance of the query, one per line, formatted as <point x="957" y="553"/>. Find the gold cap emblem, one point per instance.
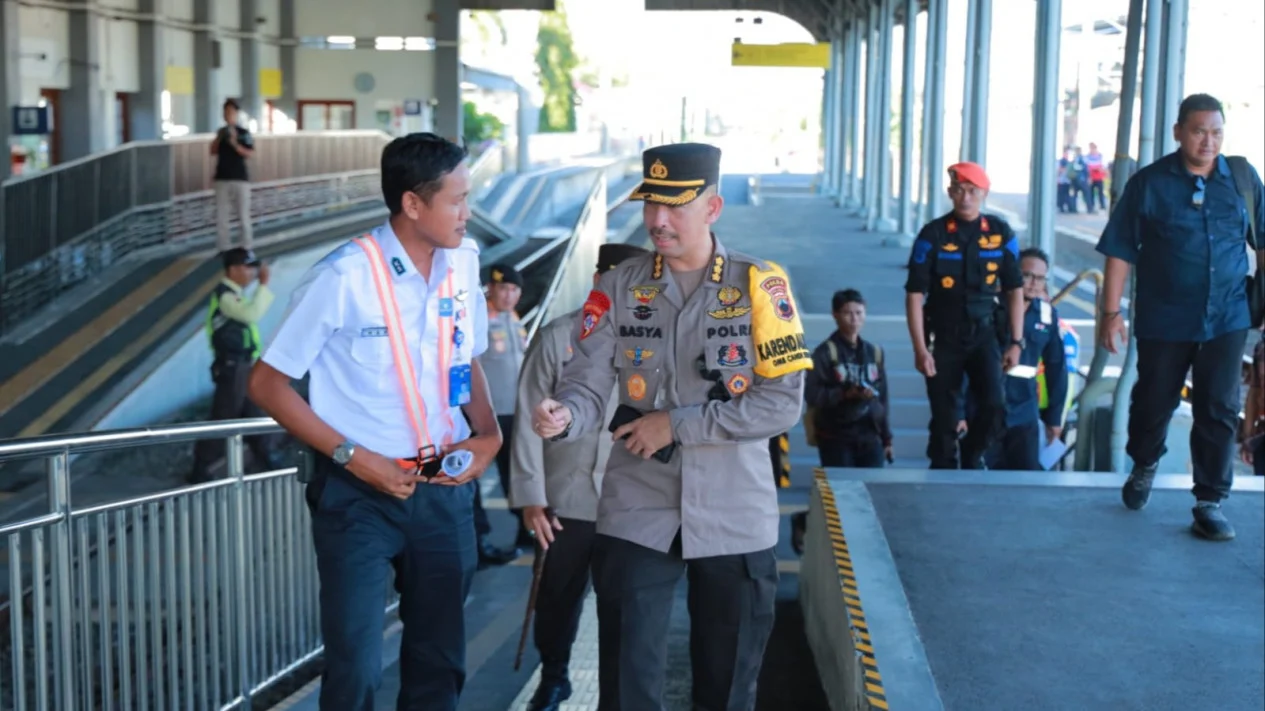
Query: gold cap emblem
<point x="658" y="171"/>
<point x="497" y="276"/>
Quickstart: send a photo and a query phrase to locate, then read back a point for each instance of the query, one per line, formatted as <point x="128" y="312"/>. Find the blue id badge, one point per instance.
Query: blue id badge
<point x="459" y="385"/>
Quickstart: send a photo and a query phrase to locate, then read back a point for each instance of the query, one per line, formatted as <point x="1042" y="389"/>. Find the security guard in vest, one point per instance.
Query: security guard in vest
<point x="231" y="327"/>
<point x="708" y="352"/>
<point x="557" y="484"/>
<point x="389" y="327"/>
<point x="502" y="362"/>
<point x="966" y="266"/>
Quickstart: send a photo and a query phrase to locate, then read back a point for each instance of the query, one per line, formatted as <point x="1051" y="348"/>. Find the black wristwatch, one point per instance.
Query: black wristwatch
<point x="1015" y="342"/>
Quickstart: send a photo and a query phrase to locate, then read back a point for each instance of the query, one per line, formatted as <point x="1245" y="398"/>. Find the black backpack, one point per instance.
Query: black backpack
<point x="1242" y="174"/>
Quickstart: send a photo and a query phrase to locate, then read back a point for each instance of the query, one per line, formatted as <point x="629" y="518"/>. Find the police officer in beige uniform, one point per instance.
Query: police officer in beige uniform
<point x="556" y="484"/>
<point x="707" y="350"/>
<point x="502" y="362"/>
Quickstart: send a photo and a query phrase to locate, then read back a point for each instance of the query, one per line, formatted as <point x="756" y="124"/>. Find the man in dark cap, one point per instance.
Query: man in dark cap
<point x="706" y="349"/>
<point x="232" y="330"/>
<point x="965" y="266"/>
<point x="557" y="485"/>
<point x="502" y="361"/>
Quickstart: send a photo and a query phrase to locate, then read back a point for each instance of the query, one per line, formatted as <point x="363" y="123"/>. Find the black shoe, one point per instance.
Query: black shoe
<point x="1137" y="488"/>
<point x="799" y="526"/>
<point x="550" y="695"/>
<point x="1210" y="522"/>
<point x="491" y="555"/>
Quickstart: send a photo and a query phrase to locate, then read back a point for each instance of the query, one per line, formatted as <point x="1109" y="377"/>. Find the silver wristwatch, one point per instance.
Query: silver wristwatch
<point x="343" y="453"/>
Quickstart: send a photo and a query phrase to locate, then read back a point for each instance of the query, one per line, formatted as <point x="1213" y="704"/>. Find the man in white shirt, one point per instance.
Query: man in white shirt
<point x="391" y="354"/>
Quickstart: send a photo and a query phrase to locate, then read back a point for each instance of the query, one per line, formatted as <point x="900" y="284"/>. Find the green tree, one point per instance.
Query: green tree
<point x="556" y="60"/>
<point x="477" y="126"/>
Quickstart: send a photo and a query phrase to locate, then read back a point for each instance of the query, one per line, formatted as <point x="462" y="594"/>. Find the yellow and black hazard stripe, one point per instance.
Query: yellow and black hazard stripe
<point x="874" y="692"/>
<point x="784" y="462"/>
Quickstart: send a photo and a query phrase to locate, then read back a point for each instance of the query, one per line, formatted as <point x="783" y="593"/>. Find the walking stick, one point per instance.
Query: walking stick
<point x="537" y="568"/>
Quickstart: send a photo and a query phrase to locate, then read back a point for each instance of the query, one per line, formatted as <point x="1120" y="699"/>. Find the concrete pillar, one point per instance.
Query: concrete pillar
<point x="1154" y="33"/>
<point x="840" y="81"/>
<point x="1128" y="95"/>
<point x="856" y="116"/>
<point x="936" y="168"/>
<point x="252" y="100"/>
<point x="979" y="85"/>
<point x="829" y="148"/>
<point x="1174" y="69"/>
<point x="905" y="217"/>
<point x="448" y="69"/>
<point x="207" y="100"/>
<point x="968" y="83"/>
<point x="885" y="223"/>
<point x="145" y="113"/>
<point x="847" y="113"/>
<point x="869" y="177"/>
<point x="82" y="120"/>
<point x="928" y="141"/>
<point x="288" y="102"/>
<point x="1045" y="117"/>
<point x="10" y="86"/>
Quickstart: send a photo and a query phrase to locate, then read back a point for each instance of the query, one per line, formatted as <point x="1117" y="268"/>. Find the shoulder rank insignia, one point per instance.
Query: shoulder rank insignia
<point x="718" y="264"/>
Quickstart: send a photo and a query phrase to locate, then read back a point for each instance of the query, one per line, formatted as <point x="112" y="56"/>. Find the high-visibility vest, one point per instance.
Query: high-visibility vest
<point x="1071" y="356"/>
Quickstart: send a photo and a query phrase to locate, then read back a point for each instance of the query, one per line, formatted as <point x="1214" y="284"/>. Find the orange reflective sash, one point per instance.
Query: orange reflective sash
<point x="404" y="369"/>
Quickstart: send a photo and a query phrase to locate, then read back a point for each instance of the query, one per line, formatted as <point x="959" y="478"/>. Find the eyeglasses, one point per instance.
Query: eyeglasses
<point x="1037" y="278"/>
<point x="1197" y="200"/>
<point x="966" y="190"/>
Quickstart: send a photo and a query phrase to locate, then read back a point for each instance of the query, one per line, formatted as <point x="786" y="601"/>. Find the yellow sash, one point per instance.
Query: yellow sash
<point x="775" y="327"/>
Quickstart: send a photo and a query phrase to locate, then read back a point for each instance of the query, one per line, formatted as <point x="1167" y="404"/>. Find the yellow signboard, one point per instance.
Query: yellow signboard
<point x="179" y="80"/>
<point x="270" y="83"/>
<point x="789" y="54"/>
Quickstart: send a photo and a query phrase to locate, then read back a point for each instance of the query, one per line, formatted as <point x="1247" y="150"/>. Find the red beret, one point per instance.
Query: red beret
<point x="971" y="173"/>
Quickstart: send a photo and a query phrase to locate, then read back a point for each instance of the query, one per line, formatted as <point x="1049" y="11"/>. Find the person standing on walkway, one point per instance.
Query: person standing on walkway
<point x="1097" y="169"/>
<point x="232" y="329"/>
<point x="964" y="290"/>
<point x="846" y="393"/>
<point x="232" y="146"/>
<point x="557" y="485"/>
<point x="390" y="326"/>
<point x="507" y="342"/>
<point x="707" y="350"/>
<point x="1182" y="224"/>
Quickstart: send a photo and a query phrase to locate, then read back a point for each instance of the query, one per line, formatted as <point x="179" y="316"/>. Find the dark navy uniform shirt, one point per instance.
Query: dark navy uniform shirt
<point x="1042" y="343"/>
<point x="1191" y="261"/>
<point x="963" y="267"/>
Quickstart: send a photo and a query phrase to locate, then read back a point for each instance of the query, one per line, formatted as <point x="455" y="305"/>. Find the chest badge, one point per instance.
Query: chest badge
<point x="641" y="312"/>
<point x="461" y="295"/>
<point x="731" y="356"/>
<point x="950" y="247"/>
<point x="738" y="384"/>
<point x="636" y="386"/>
<point x="645" y="294"/>
<point x="728" y="295"/>
<point x="638" y="355"/>
<point x="947" y="282"/>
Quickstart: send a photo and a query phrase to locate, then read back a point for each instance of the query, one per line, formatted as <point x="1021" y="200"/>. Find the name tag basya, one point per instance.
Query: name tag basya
<point x="374" y="332"/>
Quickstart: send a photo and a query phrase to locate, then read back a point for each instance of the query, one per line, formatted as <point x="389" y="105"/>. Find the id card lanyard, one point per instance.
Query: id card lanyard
<point x="407" y="374"/>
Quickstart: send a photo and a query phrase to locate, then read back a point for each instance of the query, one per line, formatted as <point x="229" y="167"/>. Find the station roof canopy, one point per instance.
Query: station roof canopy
<point x="814" y="15"/>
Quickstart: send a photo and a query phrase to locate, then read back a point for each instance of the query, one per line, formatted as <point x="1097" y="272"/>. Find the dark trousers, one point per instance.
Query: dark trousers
<point x="730" y="600"/>
<point x="560" y="600"/>
<point x="362" y="535"/>
<point x="1096" y="195"/>
<point x="482" y="526"/>
<point x="862" y="450"/>
<point x="230" y="402"/>
<point x="979" y="358"/>
<point x="1215" y="367"/>
<point x="1018" y="449"/>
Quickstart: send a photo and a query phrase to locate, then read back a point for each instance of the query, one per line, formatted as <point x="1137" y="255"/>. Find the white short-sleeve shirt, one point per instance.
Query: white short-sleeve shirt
<point x="334" y="329"/>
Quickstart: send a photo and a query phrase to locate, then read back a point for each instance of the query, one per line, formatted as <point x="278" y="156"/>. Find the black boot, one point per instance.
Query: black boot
<point x="1137" y="488"/>
<point x="491" y="555"/>
<point x="550" y="694"/>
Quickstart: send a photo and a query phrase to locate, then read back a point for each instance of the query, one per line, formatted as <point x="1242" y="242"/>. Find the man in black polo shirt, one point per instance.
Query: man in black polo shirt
<point x="232" y="146"/>
<point x="1183" y="222"/>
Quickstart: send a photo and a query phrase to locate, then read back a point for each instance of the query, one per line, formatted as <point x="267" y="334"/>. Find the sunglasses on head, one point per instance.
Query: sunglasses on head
<point x="1197" y="199"/>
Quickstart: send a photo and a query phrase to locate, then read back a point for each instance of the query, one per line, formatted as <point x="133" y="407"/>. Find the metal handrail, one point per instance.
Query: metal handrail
<point x="53" y="445"/>
<point x="537" y="315"/>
